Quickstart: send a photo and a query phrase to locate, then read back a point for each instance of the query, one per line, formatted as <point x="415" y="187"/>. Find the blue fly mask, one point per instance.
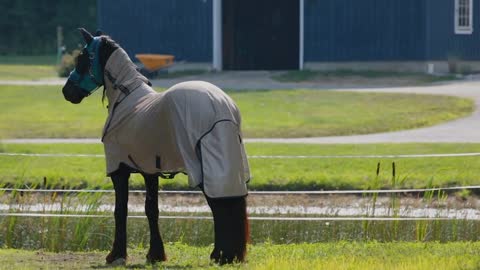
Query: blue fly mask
<point x="92" y="79"/>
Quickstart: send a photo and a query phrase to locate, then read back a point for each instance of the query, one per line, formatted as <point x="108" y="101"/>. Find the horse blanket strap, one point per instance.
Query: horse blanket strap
<point x="115" y="85"/>
<point x="169" y="175"/>
<point x="121" y="73"/>
<point x="163" y="175"/>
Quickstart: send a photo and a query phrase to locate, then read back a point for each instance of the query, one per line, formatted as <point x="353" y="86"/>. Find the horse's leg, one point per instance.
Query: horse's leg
<point x="118" y="255"/>
<point x="231" y="229"/>
<point x="156" y="253"/>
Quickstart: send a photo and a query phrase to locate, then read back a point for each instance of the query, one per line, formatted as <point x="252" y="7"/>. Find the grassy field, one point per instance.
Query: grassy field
<point x="41" y="111"/>
<point x="268" y="174"/>
<point x="27" y="67"/>
<point x="340" y="255"/>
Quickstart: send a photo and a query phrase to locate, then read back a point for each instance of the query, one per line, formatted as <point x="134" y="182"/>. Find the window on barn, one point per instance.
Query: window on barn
<point x="463" y="16"/>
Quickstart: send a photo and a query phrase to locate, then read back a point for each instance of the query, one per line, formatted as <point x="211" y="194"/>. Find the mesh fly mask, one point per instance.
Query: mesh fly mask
<point x="92" y="79"/>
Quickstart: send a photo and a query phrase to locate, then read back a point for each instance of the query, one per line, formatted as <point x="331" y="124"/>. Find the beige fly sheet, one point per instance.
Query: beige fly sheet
<point x="193" y="127"/>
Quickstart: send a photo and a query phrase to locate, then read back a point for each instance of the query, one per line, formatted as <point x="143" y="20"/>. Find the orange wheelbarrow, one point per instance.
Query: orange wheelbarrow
<point x="152" y="63"/>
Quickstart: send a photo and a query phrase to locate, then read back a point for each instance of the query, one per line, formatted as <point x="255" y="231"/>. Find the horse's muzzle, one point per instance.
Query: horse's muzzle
<point x="73" y="93"/>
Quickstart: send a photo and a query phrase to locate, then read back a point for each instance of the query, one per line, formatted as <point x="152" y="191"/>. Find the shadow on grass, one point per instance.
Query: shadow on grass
<point x="146" y="266"/>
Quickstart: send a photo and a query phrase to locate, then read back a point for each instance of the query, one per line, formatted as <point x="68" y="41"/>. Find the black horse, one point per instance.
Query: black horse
<point x="193" y="127"/>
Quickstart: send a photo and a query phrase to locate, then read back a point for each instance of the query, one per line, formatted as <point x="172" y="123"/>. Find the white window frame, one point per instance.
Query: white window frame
<point x="465" y="28"/>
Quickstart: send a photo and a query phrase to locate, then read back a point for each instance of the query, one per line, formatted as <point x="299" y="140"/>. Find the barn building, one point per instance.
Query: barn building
<point x="296" y="34"/>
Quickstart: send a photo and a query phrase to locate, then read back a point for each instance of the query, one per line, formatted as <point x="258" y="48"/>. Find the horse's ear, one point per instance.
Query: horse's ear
<point x="86" y="35"/>
<point x="98" y="33"/>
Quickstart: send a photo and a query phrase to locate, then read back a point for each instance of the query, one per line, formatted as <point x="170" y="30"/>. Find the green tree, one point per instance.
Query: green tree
<point x="29" y="27"/>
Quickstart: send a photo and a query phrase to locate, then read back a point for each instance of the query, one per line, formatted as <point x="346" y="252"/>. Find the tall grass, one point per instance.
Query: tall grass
<point x="370" y="211"/>
<point x="425" y="230"/>
<point x="394" y="202"/>
<point x="62" y="233"/>
<point x="95" y="233"/>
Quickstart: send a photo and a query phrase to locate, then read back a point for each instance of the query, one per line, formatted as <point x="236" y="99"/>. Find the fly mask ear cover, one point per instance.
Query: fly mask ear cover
<point x="94" y="79"/>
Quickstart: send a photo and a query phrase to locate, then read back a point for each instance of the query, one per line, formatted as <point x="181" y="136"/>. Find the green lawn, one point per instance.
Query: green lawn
<point x="27" y="60"/>
<point x="312" y="75"/>
<point x="339" y="255"/>
<point x="27" y="67"/>
<point x="268" y="174"/>
<point x="41" y="111"/>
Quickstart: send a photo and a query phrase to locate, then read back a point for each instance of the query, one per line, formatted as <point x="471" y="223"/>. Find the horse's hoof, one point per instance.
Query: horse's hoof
<point x="118" y="262"/>
<point x="222" y="258"/>
<point x="115" y="259"/>
<point x="152" y="259"/>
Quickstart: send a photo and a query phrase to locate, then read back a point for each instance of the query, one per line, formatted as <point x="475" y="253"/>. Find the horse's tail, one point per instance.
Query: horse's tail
<point x="232" y="230"/>
<point x="246" y="229"/>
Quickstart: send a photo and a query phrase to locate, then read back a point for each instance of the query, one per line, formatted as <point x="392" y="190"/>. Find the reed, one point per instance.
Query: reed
<point x="92" y="233"/>
<point x="65" y="233"/>
<point x="370" y="211"/>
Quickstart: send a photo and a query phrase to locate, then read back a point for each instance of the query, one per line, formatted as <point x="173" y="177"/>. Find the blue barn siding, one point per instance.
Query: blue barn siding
<point x="335" y="30"/>
<point x="182" y="28"/>
<point x="442" y="40"/>
<point x="366" y="30"/>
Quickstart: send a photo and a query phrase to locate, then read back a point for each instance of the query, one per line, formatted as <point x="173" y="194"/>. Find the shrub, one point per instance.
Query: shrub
<point x="68" y="63"/>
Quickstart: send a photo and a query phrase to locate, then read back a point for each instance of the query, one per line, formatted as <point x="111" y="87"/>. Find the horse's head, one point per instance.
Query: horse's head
<point x="88" y="73"/>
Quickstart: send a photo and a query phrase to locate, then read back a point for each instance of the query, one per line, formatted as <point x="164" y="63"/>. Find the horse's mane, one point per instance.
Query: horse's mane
<point x="107" y="48"/>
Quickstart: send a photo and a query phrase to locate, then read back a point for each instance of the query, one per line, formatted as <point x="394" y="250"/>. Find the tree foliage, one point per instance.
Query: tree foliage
<point x="29" y="27"/>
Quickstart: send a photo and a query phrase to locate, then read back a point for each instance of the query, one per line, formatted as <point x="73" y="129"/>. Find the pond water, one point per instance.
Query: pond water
<point x="430" y="212"/>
